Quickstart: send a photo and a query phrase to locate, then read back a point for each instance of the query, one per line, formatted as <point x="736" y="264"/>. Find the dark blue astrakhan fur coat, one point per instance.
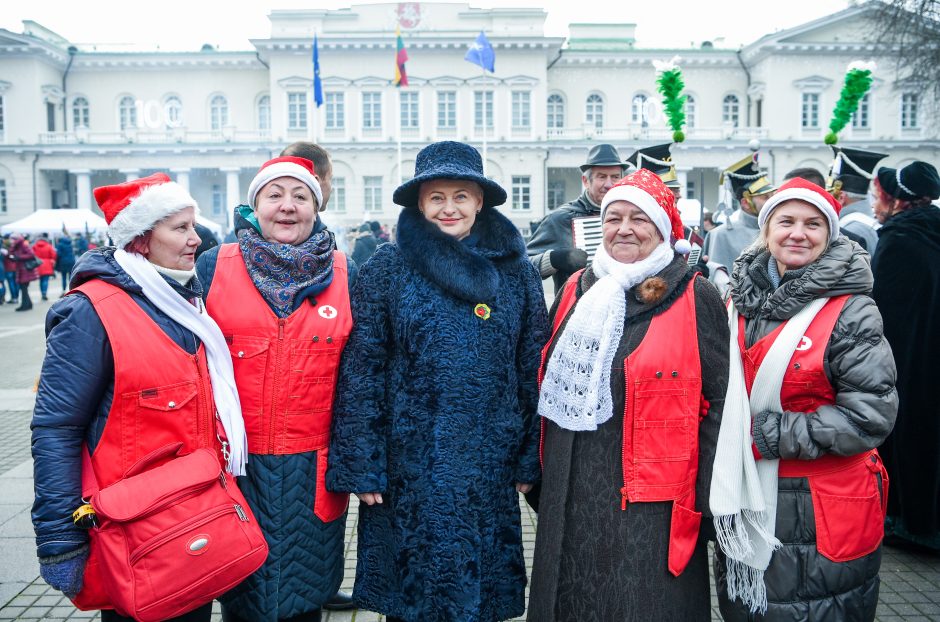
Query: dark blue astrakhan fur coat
<point x="436" y="409"/>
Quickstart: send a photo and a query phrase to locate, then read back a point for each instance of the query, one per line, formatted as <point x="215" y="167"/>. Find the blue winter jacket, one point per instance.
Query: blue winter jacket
<point x="75" y="392"/>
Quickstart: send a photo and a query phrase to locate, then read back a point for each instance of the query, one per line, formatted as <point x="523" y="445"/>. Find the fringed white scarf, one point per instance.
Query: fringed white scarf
<point x="743" y="497"/>
<point x="575" y="391"/>
<point x="194" y="318"/>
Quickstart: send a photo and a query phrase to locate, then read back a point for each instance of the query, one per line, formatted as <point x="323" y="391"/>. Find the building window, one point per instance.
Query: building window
<point x="173" y="111"/>
<point x="218" y="199"/>
<point x="731" y="111"/>
<point x="3" y="196"/>
<point x="521" y="192"/>
<point x="80" y="113"/>
<point x="910" y="102"/>
<point x="372" y="194"/>
<point x="447" y="109"/>
<point x="860" y="118"/>
<point x="810" y="115"/>
<point x="338" y="196"/>
<point x="335" y="110"/>
<point x="127" y="113"/>
<point x="521" y="117"/>
<point x="409" y="109"/>
<point x="372" y="110"/>
<point x="689" y="111"/>
<point x="555" y="112"/>
<point x="218" y="112"/>
<point x="483" y="109"/>
<point x="1" y="118"/>
<point x="638" y="110"/>
<point x="594" y="112"/>
<point x="264" y="112"/>
<point x="556" y="193"/>
<point x="296" y="111"/>
<point x="50" y="117"/>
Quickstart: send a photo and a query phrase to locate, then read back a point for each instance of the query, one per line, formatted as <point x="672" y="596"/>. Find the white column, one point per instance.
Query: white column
<point x="683" y="177"/>
<point x="82" y="188"/>
<point x="130" y="174"/>
<point x="182" y="177"/>
<point x="233" y="194"/>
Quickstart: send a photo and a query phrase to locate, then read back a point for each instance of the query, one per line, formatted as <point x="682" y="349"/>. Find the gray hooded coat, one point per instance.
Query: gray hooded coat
<point x="801" y="583"/>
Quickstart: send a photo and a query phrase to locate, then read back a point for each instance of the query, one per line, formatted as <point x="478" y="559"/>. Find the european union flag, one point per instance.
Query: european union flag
<point x="481" y="53"/>
<point x="317" y="84"/>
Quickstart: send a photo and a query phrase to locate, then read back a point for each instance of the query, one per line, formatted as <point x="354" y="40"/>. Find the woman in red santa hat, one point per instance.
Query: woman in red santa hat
<point x="281" y="296"/>
<point x="799" y="491"/>
<point x="633" y="381"/>
<point x="128" y="346"/>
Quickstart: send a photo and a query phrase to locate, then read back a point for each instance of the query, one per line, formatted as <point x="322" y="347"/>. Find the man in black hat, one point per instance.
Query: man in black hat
<point x="658" y="159"/>
<point x="750" y="189"/>
<point x="850" y="176"/>
<point x="567" y="237"/>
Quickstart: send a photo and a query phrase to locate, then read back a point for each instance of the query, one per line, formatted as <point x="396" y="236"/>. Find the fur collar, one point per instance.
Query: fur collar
<point x="655" y="294"/>
<point x="463" y="268"/>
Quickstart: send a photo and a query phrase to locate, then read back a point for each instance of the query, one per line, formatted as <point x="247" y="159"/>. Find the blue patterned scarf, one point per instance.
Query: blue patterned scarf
<point x="282" y="271"/>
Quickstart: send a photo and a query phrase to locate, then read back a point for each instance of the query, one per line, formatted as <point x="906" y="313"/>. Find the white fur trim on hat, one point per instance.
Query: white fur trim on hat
<point x="645" y="202"/>
<point x="802" y="194"/>
<point x="148" y="208"/>
<point x="284" y="169"/>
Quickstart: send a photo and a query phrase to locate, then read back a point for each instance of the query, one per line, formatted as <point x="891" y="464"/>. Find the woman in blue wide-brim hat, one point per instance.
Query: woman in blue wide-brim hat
<point x="435" y="425"/>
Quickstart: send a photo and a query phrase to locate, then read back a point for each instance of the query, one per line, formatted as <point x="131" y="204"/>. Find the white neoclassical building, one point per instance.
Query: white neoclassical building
<point x="75" y="118"/>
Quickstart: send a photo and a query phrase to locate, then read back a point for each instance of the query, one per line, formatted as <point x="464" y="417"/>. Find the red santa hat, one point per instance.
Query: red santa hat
<point x="300" y="169"/>
<point x="800" y="189"/>
<point x="134" y="207"/>
<point x="647" y="191"/>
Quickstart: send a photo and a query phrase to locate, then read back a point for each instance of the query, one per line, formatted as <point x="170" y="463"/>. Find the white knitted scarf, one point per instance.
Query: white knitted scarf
<point x="195" y="318"/>
<point x="575" y="390"/>
<point x="743" y="496"/>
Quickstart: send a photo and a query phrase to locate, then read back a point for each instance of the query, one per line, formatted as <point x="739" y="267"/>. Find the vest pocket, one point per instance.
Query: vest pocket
<point x="328" y="506"/>
<point x="661" y="423"/>
<point x="176" y="402"/>
<point x="249" y="361"/>
<point x="849" y="512"/>
<point x="312" y="377"/>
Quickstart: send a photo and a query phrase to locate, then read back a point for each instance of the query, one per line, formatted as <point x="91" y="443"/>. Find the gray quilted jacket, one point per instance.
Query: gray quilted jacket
<point x="859" y="365"/>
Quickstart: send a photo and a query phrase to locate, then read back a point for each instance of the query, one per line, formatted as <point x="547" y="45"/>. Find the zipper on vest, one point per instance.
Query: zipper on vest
<point x="623" y="444"/>
<point x="277" y="381"/>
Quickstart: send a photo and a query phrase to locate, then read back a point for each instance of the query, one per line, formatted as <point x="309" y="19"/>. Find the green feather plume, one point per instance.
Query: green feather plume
<point x="857" y="82"/>
<point x="670" y="85"/>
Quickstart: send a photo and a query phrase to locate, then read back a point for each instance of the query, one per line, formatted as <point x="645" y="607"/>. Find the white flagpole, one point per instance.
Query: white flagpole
<point x="401" y="173"/>
<point x="484" y="118"/>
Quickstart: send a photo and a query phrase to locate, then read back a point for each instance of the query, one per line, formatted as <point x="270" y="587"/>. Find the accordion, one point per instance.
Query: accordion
<point x="587" y="234"/>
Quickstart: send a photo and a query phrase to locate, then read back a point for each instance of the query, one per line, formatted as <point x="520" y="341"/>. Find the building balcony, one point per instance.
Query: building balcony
<point x="169" y="136"/>
<point x="652" y="134"/>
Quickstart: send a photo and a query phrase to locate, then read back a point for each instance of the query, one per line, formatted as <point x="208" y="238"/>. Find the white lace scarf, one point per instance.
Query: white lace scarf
<point x="575" y="391"/>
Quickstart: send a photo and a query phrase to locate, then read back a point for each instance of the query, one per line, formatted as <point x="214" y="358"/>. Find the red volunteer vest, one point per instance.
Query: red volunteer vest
<point x="848" y="506"/>
<point x="285" y="368"/>
<point x="167" y="400"/>
<point x="664" y="405"/>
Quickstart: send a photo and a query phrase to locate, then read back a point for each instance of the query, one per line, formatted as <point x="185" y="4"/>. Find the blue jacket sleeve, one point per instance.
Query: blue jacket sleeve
<point x="535" y="333"/>
<point x="77" y="373"/>
<point x="357" y="457"/>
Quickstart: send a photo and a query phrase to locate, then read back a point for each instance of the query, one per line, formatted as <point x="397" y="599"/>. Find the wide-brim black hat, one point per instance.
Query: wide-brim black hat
<point x="603" y="155"/>
<point x="917" y="179"/>
<point x="853" y="168"/>
<point x="449" y="160"/>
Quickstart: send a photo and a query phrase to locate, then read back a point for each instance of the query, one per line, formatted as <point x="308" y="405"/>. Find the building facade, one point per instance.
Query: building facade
<point x="72" y="119"/>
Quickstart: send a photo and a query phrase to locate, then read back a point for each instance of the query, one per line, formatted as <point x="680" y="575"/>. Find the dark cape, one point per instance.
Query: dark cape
<point x="436" y="410"/>
<point x="593" y="561"/>
<point x="907" y="290"/>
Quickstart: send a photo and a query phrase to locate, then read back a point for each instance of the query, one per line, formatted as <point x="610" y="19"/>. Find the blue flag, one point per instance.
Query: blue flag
<point x="317" y="84"/>
<point x="481" y="53"/>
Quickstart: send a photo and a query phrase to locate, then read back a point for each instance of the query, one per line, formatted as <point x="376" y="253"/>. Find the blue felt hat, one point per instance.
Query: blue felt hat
<point x="448" y="160"/>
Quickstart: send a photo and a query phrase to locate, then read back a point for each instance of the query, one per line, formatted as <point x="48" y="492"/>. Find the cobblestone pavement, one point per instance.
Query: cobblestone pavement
<point x="910" y="581"/>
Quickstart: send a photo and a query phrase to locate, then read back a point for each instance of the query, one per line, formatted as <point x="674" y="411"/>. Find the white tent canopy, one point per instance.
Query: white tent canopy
<point x="52" y="221"/>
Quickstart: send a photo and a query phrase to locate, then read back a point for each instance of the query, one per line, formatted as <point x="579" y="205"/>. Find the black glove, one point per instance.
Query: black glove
<point x="702" y="267"/>
<point x="568" y="260"/>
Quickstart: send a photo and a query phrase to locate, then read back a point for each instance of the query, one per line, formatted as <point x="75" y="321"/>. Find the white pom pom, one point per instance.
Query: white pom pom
<point x="683" y="247"/>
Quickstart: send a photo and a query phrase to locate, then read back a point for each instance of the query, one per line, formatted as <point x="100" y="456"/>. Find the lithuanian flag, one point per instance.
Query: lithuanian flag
<point x="401" y="77"/>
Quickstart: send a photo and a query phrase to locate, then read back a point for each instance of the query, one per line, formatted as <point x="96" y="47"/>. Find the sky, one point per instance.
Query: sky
<point x="188" y="24"/>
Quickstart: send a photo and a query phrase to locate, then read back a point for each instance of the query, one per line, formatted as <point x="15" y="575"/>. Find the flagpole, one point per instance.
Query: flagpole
<point x="484" y="119"/>
<point x="401" y="173"/>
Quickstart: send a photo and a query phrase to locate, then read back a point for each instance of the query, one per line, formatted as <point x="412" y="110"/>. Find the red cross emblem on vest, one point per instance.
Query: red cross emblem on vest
<point x="327" y="312"/>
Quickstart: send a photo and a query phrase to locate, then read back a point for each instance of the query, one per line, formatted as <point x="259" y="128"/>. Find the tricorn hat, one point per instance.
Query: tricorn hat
<point x="603" y="155"/>
<point x="746" y="177"/>
<point x="658" y="159"/>
<point x="852" y="169"/>
<point x="448" y="160"/>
